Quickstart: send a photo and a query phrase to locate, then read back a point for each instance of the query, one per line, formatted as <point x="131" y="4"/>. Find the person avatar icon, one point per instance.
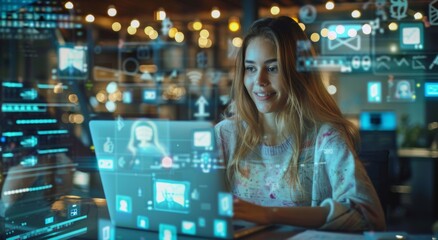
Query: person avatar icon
<point x="145" y="146"/>
<point x="403" y="90"/>
<point x="124" y="204"/>
<point x="169" y="202"/>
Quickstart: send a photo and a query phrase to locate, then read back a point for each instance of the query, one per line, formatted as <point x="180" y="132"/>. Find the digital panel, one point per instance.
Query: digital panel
<point x="37" y="158"/>
<point x="401" y="90"/>
<point x="405" y="50"/>
<point x="345" y="48"/>
<point x="180" y="191"/>
<point x="32" y="19"/>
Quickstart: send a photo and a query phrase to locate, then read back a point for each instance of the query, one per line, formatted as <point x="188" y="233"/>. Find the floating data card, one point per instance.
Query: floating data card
<point x="411" y="36"/>
<point x="431" y="89"/>
<point x="374" y="92"/>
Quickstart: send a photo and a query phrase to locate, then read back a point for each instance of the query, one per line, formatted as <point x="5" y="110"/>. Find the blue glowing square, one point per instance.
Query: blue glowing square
<point x="150" y="95"/>
<point x="201" y="222"/>
<point x="167" y="232"/>
<point x="374" y="92"/>
<point x="431" y="89"/>
<point x="225" y="204"/>
<point x="188" y="227"/>
<point x="124" y="204"/>
<point x="142" y="222"/>
<point x="49" y="220"/>
<point x="220" y="228"/>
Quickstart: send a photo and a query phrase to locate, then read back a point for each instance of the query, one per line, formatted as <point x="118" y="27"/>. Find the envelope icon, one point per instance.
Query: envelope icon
<point x="433" y="12"/>
<point x="345" y="37"/>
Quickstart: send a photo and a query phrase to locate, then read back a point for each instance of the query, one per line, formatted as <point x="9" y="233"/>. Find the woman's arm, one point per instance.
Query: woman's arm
<point x="308" y="217"/>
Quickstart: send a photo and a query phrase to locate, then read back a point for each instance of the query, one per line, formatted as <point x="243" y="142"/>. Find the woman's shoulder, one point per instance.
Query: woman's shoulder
<point x="327" y="130"/>
<point x="226" y="125"/>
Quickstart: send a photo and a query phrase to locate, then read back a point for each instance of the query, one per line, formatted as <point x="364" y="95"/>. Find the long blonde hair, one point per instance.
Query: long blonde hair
<point x="308" y="103"/>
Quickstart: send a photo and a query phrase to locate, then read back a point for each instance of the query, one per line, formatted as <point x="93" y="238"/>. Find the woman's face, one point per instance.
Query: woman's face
<point x="262" y="77"/>
<point x="144" y="134"/>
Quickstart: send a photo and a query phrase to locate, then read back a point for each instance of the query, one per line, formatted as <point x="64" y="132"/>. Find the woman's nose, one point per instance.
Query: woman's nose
<point x="262" y="78"/>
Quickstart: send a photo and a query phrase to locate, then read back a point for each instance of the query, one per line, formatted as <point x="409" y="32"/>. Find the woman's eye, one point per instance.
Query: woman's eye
<point x="250" y="68"/>
<point x="272" y="69"/>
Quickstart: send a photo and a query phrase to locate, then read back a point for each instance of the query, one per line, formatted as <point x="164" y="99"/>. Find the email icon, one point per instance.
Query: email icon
<point x="345" y="37"/>
<point x="433" y="12"/>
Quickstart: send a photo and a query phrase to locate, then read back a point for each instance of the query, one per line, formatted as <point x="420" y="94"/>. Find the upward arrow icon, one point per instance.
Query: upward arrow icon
<point x="201" y="103"/>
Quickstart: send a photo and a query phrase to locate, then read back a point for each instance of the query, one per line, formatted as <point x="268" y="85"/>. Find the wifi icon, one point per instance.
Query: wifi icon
<point x="194" y="76"/>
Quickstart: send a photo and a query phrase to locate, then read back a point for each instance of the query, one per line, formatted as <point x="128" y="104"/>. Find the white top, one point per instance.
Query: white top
<point x="329" y="174"/>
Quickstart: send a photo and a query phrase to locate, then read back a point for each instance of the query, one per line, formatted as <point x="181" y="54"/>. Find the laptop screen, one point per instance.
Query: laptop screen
<point x="164" y="176"/>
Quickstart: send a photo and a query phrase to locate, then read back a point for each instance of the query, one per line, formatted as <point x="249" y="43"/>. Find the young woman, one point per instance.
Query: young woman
<point x="291" y="156"/>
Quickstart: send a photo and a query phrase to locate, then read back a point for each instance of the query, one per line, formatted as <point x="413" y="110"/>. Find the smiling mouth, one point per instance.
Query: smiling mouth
<point x="264" y="95"/>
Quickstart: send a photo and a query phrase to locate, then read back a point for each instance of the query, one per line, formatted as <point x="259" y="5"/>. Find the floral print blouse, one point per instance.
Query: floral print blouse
<point x="329" y="175"/>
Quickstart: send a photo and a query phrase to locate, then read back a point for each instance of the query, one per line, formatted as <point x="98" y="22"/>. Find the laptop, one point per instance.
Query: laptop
<point x="167" y="177"/>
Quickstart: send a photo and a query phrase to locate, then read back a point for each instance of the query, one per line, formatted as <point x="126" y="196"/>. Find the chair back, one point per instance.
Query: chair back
<point x="376" y="164"/>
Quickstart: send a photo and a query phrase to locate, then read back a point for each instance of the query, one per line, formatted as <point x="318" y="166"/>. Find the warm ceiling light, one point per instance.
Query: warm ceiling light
<point x="197" y="25"/>
<point x="356" y="14"/>
<point x="132" y="30"/>
<point x="68" y="5"/>
<point x="324" y="32"/>
<point x="209" y="43"/>
<point x="154" y="34"/>
<point x="202" y="41"/>
<point x="331" y="89"/>
<point x="314" y="37"/>
<point x="329" y="5"/>
<point x="393" y="26"/>
<point x="233" y="24"/>
<point x="275" y="9"/>
<point x="237" y="42"/>
<point x="112" y="11"/>
<point x="366" y="28"/>
<point x="135" y="23"/>
<point x="116" y="26"/>
<point x="418" y="16"/>
<point x="215" y="13"/>
<point x="160" y="14"/>
<point x="204" y="33"/>
<point x="89" y="18"/>
<point x="148" y="30"/>
<point x="172" y="32"/>
<point x="179" y="37"/>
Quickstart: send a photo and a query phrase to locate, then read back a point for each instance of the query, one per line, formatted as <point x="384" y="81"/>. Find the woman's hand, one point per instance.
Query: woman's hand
<point x="251" y="212"/>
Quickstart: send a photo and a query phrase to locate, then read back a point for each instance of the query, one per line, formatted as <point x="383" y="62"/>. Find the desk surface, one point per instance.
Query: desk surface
<point x="77" y="218"/>
<point x="417" y="152"/>
<point x="91" y="221"/>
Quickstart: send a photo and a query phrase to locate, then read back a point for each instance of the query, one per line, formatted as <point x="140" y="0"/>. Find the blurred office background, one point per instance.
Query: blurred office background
<point x="63" y="63"/>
